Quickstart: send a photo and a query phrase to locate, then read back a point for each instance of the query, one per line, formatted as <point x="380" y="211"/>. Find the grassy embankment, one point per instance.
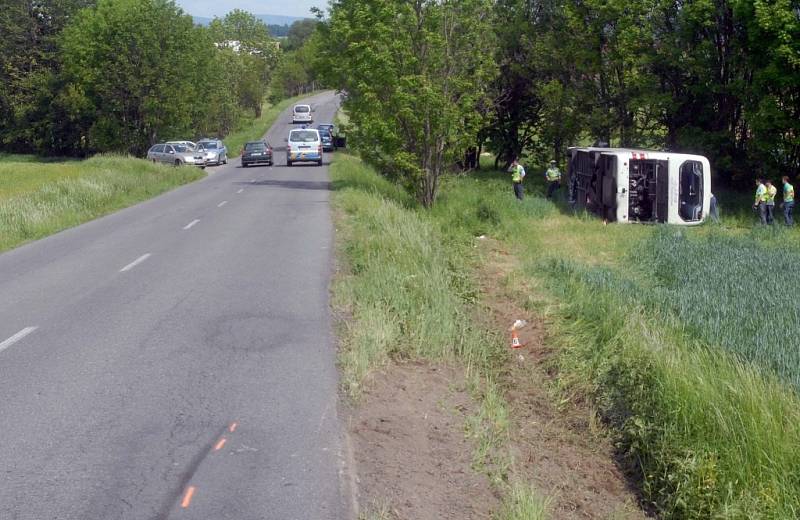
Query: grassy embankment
<point x="684" y="339"/>
<point x="254" y="129"/>
<point x="408" y="290"/>
<point x="41" y="197"/>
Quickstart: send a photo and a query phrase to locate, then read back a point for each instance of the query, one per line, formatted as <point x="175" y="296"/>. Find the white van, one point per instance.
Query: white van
<point x="302" y="114"/>
<point x="304" y="146"/>
<point x="626" y="185"/>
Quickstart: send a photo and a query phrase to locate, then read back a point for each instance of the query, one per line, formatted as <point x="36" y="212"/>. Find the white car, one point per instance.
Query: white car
<point x="304" y="145"/>
<point x="177" y="154"/>
<point x="302" y="114"/>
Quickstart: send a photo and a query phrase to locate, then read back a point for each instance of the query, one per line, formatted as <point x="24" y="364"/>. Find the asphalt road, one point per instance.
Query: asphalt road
<point x="175" y="359"/>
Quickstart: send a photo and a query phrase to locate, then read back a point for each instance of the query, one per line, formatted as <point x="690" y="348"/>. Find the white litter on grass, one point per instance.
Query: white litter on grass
<point x="518" y="325"/>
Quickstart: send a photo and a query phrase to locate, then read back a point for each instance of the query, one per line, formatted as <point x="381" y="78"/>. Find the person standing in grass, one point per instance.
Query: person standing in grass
<point x="553" y="177"/>
<point x="517" y="176"/>
<point x="761" y="201"/>
<point x="713" y="210"/>
<point x="788" y="201"/>
<point x="772" y="192"/>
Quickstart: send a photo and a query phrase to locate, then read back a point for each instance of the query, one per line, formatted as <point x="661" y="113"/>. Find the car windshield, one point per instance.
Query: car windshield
<point x="210" y="146"/>
<point x="254" y="147"/>
<point x="181" y="148"/>
<point x="303" y="136"/>
<point x="302" y="108"/>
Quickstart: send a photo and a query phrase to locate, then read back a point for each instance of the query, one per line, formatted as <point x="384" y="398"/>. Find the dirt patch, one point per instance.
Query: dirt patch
<point x="413" y="459"/>
<point x="560" y="447"/>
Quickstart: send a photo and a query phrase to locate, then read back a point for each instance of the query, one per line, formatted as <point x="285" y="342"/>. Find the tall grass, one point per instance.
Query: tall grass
<point x="523" y="503"/>
<point x="406" y="292"/>
<point x="39" y="199"/>
<point x="710" y="436"/>
<point x="657" y="325"/>
<point x="736" y="293"/>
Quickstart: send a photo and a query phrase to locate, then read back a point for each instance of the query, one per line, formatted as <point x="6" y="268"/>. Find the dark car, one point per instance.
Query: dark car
<point x="256" y="152"/>
<point x="326" y="137"/>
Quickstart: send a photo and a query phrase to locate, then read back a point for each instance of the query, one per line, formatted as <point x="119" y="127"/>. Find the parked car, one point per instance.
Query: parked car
<point x="327" y="126"/>
<point x="326" y="135"/>
<point x="256" y="152"/>
<point x="214" y="150"/>
<point x="304" y="145"/>
<point x="177" y="154"/>
<point x="302" y="114"/>
<point x="190" y="144"/>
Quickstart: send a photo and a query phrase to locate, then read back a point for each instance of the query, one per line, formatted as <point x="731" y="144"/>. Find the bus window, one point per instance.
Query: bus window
<point x="691" y="191"/>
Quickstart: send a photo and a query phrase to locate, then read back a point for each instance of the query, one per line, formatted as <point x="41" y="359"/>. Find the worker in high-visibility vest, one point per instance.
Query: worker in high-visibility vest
<point x="760" y="203"/>
<point x="788" y="201"/>
<point x="553" y="177"/>
<point x="517" y="176"/>
<point x="772" y="192"/>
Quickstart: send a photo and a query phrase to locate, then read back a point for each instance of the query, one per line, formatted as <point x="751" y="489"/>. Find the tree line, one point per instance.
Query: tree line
<point x="84" y="76"/>
<point x="428" y="80"/>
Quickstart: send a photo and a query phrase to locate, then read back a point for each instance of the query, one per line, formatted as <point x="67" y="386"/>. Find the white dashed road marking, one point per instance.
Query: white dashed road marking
<point x="222" y="203"/>
<point x="135" y="263"/>
<point x="16" y="337"/>
<point x="191" y="224"/>
<point x="241" y="190"/>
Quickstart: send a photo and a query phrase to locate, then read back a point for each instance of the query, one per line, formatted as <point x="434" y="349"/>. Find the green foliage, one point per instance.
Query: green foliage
<point x="415" y="75"/>
<point x="299" y="33"/>
<point x="38" y="199"/>
<point x="716" y="77"/>
<point x="120" y="75"/>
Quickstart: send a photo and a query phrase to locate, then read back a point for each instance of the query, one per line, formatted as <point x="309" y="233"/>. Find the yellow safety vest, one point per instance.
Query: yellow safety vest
<point x="553" y="174"/>
<point x="516" y="173"/>
<point x="761" y="193"/>
<point x="772" y="191"/>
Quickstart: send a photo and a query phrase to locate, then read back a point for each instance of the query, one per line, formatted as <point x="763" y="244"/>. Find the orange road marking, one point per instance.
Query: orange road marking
<point x="233" y="427"/>
<point x="220" y="444"/>
<point x="187" y="498"/>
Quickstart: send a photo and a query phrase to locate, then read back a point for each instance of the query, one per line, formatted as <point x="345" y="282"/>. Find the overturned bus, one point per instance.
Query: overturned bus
<point x="626" y="185"/>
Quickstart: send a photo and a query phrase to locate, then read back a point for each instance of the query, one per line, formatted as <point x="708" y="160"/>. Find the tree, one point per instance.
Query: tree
<point x="255" y="49"/>
<point x="299" y="33"/>
<point x="415" y="74"/>
<point x="133" y="72"/>
<point x="28" y="63"/>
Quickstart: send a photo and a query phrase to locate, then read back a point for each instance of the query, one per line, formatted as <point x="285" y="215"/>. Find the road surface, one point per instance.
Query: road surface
<point x="175" y="359"/>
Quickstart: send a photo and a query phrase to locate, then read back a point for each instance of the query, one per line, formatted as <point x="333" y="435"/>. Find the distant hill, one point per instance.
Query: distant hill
<point x="268" y="19"/>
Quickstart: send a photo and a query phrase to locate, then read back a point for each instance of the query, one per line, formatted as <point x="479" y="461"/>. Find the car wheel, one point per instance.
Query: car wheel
<point x="177" y="162"/>
<point x="288" y="162"/>
<point x="319" y="163"/>
<point x="225" y="160"/>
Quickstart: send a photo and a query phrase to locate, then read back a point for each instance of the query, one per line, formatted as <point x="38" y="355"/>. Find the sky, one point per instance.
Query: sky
<point x="210" y="8"/>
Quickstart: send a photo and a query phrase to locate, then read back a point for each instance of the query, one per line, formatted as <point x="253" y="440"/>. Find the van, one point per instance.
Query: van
<point x="304" y="146"/>
<point x="301" y="114"/>
<point x="626" y="185"/>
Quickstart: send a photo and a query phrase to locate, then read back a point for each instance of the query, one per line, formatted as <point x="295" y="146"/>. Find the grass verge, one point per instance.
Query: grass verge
<point x="254" y="129"/>
<point x="657" y="326"/>
<point x="39" y="199"/>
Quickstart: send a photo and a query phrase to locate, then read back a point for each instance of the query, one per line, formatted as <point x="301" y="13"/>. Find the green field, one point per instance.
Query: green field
<point x="39" y="198"/>
<point x="684" y="339"/>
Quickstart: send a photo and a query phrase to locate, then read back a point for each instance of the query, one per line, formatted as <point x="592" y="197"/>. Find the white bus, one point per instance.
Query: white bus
<point x="626" y="185"/>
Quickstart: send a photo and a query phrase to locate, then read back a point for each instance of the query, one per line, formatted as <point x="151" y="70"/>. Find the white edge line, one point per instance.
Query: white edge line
<point x="191" y="224"/>
<point x="222" y="203"/>
<point x="135" y="263"/>
<point x="16" y="337"/>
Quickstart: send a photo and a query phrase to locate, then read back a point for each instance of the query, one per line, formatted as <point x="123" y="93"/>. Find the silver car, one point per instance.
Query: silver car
<point x="213" y="150"/>
<point x="177" y="154"/>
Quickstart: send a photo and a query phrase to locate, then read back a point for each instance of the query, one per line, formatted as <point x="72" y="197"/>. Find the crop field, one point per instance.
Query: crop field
<point x="41" y="198"/>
